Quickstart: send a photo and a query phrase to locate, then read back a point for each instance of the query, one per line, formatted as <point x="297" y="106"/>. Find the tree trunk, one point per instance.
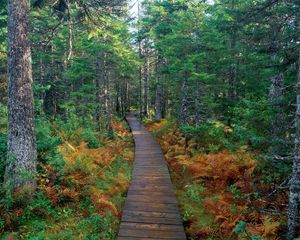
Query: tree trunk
<point x="70" y="27"/>
<point x="158" y="97"/>
<point x="107" y="111"/>
<point x="127" y="96"/>
<point x="277" y="125"/>
<point x="140" y="92"/>
<point x="183" y="115"/>
<point x="158" y="107"/>
<point x="232" y="71"/>
<point x="98" y="98"/>
<point x="294" y="198"/>
<point x="22" y="155"/>
<point x="198" y="105"/>
<point x="146" y="80"/>
<point x="124" y="100"/>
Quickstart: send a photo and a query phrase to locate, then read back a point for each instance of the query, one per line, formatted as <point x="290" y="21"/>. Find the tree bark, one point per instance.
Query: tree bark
<point x="158" y="97"/>
<point x="294" y="198"/>
<point x="107" y="111"/>
<point x="22" y="155"/>
<point x="232" y="71"/>
<point x="158" y="107"/>
<point x="98" y="98"/>
<point x="276" y="104"/>
<point x="70" y="27"/>
<point x="146" y="80"/>
<point x="183" y="115"/>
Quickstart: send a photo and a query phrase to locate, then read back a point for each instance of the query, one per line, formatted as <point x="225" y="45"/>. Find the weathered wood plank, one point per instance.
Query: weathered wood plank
<point x="152" y="207"/>
<point x="124" y="232"/>
<point x="150" y="217"/>
<point x="152" y="227"/>
<point x="150" y="210"/>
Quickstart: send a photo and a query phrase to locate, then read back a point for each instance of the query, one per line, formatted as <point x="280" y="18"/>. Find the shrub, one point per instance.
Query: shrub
<point x="3" y="150"/>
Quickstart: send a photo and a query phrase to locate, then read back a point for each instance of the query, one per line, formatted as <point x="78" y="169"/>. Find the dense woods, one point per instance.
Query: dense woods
<point x="216" y="82"/>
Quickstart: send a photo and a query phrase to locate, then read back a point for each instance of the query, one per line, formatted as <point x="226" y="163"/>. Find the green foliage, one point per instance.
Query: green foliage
<point x="98" y="226"/>
<point x="240" y="227"/>
<point x="3" y="153"/>
<point x="3" y="119"/>
<point x="3" y="139"/>
<point x="89" y="136"/>
<point x="193" y="192"/>
<point x="47" y="144"/>
<point x="209" y="136"/>
<point x="51" y="211"/>
<point x="240" y="230"/>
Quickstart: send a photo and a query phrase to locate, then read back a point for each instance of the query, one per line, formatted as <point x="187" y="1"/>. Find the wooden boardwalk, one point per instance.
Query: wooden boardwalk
<point x="150" y="210"/>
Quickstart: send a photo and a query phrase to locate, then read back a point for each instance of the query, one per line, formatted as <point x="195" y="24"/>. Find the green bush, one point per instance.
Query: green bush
<point x="209" y="136"/>
<point x="47" y="144"/>
<point x="3" y="119"/>
<point x="89" y="136"/>
<point x="3" y="151"/>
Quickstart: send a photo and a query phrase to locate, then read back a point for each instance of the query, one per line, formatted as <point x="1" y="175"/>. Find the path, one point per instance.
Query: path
<point x="150" y="210"/>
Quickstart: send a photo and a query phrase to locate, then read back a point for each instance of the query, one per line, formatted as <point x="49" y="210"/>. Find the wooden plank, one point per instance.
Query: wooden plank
<point x="154" y="193"/>
<point x="152" y="226"/>
<point x="152" y="198"/>
<point x="150" y="210"/>
<point x="151" y="188"/>
<point x="138" y="238"/>
<point x="148" y="207"/>
<point x="151" y="217"/>
<point x="160" y="178"/>
<point x="124" y="232"/>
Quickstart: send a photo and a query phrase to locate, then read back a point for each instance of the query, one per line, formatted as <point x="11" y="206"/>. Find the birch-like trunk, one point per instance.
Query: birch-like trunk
<point x="70" y="27"/>
<point x="294" y="198"/>
<point x="22" y="155"/>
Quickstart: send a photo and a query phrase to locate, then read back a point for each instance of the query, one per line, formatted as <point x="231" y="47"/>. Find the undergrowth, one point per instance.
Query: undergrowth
<point x="82" y="180"/>
<point x="224" y="191"/>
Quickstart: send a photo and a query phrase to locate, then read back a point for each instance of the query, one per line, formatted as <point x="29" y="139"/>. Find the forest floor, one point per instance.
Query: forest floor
<point x="222" y="194"/>
<point x="84" y="177"/>
<point x="79" y="197"/>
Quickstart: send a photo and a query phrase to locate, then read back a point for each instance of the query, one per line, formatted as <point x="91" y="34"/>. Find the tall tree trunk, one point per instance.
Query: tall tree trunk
<point x="70" y="27"/>
<point x="198" y="105"/>
<point x="123" y="96"/>
<point x="158" y="103"/>
<point x="277" y="125"/>
<point x="294" y="198"/>
<point x="233" y="66"/>
<point x="127" y="95"/>
<point x="183" y="115"/>
<point x="140" y="92"/>
<point x="232" y="70"/>
<point x="140" y="56"/>
<point x="98" y="98"/>
<point x="107" y="111"/>
<point x="22" y="155"/>
<point x="146" y="80"/>
<point x="118" y="89"/>
<point x="158" y="97"/>
<point x="42" y="77"/>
